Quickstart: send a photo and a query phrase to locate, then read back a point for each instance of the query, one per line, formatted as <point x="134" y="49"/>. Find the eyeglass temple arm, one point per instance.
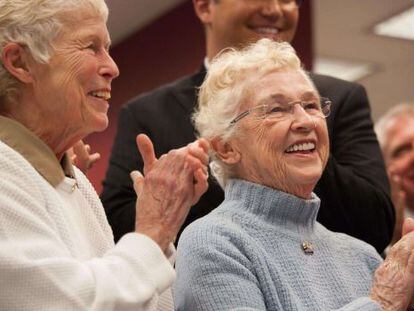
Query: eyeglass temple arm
<point x="240" y="116"/>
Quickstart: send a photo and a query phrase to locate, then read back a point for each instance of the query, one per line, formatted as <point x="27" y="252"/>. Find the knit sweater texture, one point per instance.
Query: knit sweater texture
<point x="247" y="255"/>
<point x="55" y="255"/>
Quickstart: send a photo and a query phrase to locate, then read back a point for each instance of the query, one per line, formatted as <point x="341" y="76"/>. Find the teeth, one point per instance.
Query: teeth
<point x="301" y="147"/>
<point x="102" y="94"/>
<point x="267" y="30"/>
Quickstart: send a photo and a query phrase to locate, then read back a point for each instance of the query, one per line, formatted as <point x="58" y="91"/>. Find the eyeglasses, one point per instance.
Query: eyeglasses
<point x="280" y="112"/>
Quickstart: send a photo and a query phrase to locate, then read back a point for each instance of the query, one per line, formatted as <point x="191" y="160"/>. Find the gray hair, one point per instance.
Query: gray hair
<point x="225" y="89"/>
<point x="383" y="124"/>
<point x="35" y="24"/>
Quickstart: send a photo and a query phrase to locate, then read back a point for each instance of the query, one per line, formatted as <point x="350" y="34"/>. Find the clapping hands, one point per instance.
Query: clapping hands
<point x="169" y="187"/>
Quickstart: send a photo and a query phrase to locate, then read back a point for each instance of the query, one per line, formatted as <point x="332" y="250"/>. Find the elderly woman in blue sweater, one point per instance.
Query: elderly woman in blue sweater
<point x="262" y="248"/>
<point x="57" y="250"/>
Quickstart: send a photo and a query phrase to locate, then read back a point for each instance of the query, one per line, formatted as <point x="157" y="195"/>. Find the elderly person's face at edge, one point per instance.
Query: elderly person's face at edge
<point x="399" y="153"/>
<point x="65" y="99"/>
<point x="258" y="152"/>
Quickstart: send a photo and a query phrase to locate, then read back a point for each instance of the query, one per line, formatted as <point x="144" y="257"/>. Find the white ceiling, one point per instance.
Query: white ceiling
<point x="343" y="29"/>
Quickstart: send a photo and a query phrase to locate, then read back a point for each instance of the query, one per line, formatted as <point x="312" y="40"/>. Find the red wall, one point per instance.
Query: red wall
<point x="170" y="47"/>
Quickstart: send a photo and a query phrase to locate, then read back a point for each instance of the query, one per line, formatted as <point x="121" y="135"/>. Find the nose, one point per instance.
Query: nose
<point x="301" y="120"/>
<point x="271" y="9"/>
<point x="109" y="69"/>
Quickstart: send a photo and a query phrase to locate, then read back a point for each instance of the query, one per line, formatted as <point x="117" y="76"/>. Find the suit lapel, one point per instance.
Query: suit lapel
<point x="186" y="95"/>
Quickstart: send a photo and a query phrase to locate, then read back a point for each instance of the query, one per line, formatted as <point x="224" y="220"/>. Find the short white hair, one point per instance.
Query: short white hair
<point x="383" y="124"/>
<point x="225" y="89"/>
<point x="35" y="24"/>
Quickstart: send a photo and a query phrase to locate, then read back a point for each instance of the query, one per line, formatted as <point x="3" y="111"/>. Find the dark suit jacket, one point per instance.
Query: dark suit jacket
<point x="354" y="190"/>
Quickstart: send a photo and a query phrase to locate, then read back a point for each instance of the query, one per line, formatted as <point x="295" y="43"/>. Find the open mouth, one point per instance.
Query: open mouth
<point x="266" y="31"/>
<point x="270" y="32"/>
<point x="105" y="95"/>
<point x="303" y="147"/>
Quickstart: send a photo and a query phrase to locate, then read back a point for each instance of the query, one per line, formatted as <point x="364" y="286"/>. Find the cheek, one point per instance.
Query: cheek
<point x="325" y="154"/>
<point x="402" y="165"/>
<point x="292" y="18"/>
<point x="323" y="138"/>
<point x="291" y="21"/>
<point x="269" y="148"/>
<point x="73" y="92"/>
<point x="73" y="77"/>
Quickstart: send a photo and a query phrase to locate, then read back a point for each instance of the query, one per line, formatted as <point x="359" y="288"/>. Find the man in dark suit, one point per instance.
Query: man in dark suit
<point x="354" y="190"/>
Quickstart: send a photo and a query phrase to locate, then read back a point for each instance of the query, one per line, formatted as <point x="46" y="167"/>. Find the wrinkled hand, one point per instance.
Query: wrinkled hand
<point x="172" y="184"/>
<point x="393" y="285"/>
<point x="407" y="228"/>
<point x="81" y="157"/>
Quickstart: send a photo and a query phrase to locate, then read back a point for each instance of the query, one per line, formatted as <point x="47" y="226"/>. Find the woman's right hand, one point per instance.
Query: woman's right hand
<point x="393" y="285"/>
<point x="172" y="184"/>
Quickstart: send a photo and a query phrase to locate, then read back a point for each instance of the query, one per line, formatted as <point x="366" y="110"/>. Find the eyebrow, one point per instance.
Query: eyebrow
<point x="309" y="94"/>
<point x="282" y="98"/>
<point x="273" y="97"/>
<point x="94" y="37"/>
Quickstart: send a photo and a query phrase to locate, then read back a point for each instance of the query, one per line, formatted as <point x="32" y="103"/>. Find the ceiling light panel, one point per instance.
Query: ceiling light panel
<point x="399" y="26"/>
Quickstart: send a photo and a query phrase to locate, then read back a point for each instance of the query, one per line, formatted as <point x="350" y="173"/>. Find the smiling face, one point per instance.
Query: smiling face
<point x="399" y="153"/>
<point x="237" y="23"/>
<point x="288" y="155"/>
<point x="72" y="90"/>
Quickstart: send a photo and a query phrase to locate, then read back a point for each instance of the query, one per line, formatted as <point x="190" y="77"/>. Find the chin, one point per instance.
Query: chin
<point x="306" y="173"/>
<point x="309" y="178"/>
<point x="99" y="125"/>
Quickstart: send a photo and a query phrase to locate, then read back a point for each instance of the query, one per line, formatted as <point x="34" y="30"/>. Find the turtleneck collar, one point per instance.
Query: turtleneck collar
<point x="273" y="206"/>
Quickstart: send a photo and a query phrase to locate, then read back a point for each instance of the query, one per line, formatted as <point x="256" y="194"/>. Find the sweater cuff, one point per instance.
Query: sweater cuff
<point x="171" y="254"/>
<point x="150" y="255"/>
<point x="362" y="304"/>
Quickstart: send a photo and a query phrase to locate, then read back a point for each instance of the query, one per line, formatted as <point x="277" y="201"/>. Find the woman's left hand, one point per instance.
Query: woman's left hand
<point x="81" y="157"/>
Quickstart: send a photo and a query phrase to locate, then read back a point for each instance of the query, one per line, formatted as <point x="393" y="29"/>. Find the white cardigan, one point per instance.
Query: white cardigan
<point x="57" y="250"/>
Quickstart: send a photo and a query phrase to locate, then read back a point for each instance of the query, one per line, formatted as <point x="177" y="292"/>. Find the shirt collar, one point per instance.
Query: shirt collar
<point x="35" y="151"/>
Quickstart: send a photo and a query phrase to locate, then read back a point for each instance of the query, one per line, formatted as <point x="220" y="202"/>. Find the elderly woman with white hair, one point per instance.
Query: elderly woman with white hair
<point x="395" y="132"/>
<point x="262" y="248"/>
<point x="56" y="246"/>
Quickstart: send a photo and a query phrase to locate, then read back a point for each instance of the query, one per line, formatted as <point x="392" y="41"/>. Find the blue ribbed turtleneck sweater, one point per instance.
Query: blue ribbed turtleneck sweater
<point x="247" y="254"/>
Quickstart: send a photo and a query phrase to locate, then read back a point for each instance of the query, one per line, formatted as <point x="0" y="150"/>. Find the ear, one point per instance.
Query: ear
<point x="203" y="10"/>
<point x="225" y="151"/>
<point x="15" y="59"/>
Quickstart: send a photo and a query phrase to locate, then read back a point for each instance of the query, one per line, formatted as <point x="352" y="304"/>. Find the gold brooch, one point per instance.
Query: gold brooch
<point x="307" y="248"/>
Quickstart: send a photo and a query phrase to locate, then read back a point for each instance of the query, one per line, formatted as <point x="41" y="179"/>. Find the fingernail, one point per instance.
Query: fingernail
<point x="135" y="174"/>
